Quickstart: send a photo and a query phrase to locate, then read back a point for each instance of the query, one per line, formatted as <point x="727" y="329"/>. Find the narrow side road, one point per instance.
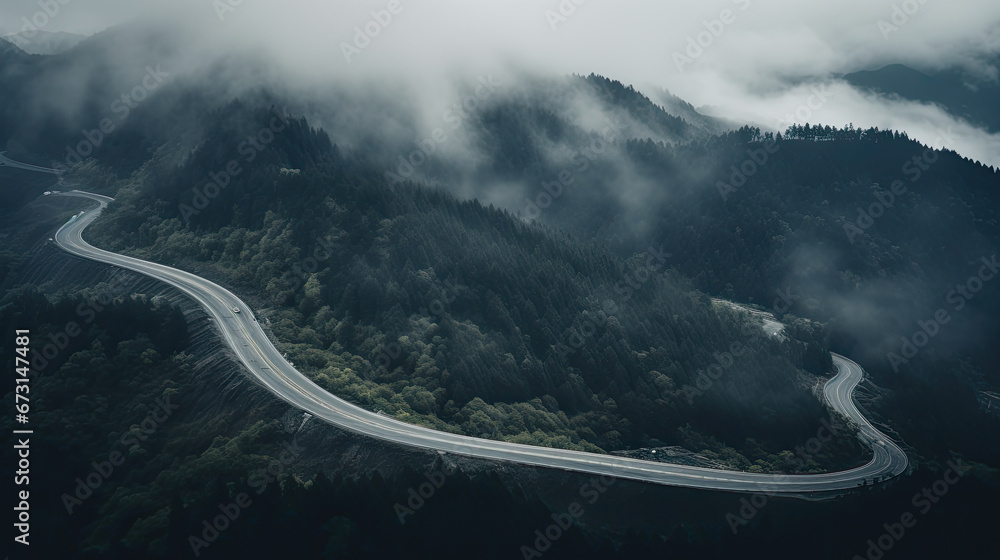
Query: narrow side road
<point x="7" y="162"/>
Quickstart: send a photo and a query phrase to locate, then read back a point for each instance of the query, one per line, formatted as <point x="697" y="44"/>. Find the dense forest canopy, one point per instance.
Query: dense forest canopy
<point x="542" y="265"/>
<point x="436" y="300"/>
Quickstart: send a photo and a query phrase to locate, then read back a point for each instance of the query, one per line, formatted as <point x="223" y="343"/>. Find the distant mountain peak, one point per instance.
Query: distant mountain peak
<point x="9" y="48"/>
<point x="953" y="88"/>
<point x="44" y="42"/>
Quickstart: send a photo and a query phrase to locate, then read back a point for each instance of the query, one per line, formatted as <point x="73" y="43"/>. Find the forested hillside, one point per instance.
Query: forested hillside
<point x="570" y="307"/>
<point x="625" y="234"/>
<point x="139" y="442"/>
<point x="462" y="317"/>
<point x="969" y="95"/>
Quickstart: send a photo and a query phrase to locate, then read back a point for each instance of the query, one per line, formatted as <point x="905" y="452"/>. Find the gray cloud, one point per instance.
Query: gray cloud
<point x="752" y="59"/>
<point x="632" y="40"/>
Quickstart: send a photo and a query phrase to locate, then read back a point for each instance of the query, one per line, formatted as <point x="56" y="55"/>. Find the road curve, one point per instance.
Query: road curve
<point x="244" y="336"/>
<point x="7" y="162"/>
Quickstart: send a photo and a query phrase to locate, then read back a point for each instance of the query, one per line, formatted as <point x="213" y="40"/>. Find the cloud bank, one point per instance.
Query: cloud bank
<point x="748" y="60"/>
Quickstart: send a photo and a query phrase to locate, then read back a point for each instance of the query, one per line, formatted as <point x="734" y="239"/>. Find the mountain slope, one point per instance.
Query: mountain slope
<point x="970" y="98"/>
<point x="460" y="316"/>
<point x="44" y="42"/>
<point x="606" y="175"/>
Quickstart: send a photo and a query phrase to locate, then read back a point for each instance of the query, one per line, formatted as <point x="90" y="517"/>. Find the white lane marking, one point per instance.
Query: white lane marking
<point x="336" y="410"/>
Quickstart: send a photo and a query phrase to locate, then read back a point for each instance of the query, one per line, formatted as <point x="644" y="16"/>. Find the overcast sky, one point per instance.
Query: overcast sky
<point x="747" y="57"/>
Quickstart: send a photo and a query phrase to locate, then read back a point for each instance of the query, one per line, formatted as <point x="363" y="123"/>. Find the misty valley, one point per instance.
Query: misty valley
<point x="405" y="281"/>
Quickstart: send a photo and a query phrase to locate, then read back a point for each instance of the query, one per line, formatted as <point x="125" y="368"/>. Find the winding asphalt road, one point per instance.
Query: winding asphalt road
<point x="244" y="336"/>
<point x="6" y="162"/>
